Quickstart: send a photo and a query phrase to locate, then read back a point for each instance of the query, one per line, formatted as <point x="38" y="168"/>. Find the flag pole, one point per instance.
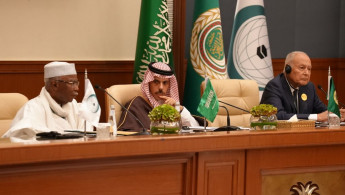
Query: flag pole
<point x="328" y="90"/>
<point x="85" y="77"/>
<point x="206" y="80"/>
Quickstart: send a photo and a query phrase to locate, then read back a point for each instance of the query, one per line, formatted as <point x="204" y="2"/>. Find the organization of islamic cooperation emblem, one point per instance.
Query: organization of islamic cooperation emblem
<point x="92" y="103"/>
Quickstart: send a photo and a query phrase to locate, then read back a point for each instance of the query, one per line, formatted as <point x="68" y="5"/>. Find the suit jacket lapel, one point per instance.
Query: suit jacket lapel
<point x="288" y="95"/>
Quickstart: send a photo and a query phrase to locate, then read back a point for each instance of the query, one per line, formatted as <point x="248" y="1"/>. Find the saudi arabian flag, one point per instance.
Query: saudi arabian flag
<point x="209" y="105"/>
<point x="249" y="52"/>
<point x="154" y="37"/>
<point x="206" y="51"/>
<point x="332" y="98"/>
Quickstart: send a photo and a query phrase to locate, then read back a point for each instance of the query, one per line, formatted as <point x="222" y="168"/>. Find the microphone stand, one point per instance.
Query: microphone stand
<point x="320" y="87"/>
<point x="144" y="132"/>
<point x="234" y="106"/>
<point x="227" y="127"/>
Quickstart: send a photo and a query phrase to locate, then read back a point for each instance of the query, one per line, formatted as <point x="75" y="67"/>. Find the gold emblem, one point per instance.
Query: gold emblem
<point x="304" y="97"/>
<point x="300" y="189"/>
<point x="335" y="97"/>
<point x="206" y="46"/>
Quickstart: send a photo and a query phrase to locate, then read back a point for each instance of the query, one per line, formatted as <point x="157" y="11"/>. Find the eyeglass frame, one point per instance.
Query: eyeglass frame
<point x="73" y="83"/>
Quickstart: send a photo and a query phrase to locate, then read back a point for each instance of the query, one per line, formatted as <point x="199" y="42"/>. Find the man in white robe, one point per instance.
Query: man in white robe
<point x="55" y="109"/>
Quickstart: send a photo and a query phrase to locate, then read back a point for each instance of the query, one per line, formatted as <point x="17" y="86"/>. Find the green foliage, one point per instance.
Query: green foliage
<point x="164" y="112"/>
<point x="263" y="110"/>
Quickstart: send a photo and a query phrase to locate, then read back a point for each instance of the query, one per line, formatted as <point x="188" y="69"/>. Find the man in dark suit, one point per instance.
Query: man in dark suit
<point x="293" y="93"/>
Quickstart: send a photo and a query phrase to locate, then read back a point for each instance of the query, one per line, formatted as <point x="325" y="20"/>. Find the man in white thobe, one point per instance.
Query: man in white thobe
<point x="54" y="109"/>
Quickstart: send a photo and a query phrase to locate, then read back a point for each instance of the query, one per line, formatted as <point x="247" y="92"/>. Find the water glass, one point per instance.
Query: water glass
<point x="103" y="131"/>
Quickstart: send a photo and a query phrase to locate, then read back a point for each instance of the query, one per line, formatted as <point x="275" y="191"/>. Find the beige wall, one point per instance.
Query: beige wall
<point x="68" y="29"/>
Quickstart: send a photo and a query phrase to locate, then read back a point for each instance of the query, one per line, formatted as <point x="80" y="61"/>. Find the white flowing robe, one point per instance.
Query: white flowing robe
<point x="44" y="114"/>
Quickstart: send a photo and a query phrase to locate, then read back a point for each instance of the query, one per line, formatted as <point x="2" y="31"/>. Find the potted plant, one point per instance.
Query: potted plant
<point x="165" y="119"/>
<point x="263" y="117"/>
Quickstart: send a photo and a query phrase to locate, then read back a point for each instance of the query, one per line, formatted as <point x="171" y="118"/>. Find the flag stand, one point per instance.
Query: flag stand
<point x="204" y="124"/>
<point x="329" y="75"/>
<point x="85" y="77"/>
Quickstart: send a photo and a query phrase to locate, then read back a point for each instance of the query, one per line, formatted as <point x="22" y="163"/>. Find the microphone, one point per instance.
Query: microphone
<point x="227" y="117"/>
<point x="234" y="106"/>
<point x="227" y="127"/>
<point x="144" y="132"/>
<point x="320" y="87"/>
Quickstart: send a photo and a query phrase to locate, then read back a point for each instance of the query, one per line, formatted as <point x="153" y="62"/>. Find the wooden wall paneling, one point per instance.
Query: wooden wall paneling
<point x="221" y="172"/>
<point x="164" y="174"/>
<point x="179" y="43"/>
<point x="339" y="78"/>
<point x="272" y="161"/>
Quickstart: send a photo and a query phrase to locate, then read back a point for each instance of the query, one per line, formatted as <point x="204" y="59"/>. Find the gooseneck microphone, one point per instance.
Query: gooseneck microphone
<point x="234" y="106"/>
<point x="227" y="127"/>
<point x="227" y="116"/>
<point x="320" y="87"/>
<point x="144" y="132"/>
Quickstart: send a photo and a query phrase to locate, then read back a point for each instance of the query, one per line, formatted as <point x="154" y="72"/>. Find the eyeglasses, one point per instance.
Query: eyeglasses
<point x="73" y="83"/>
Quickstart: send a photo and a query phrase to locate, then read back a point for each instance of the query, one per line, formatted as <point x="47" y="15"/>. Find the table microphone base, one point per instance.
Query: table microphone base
<point x="142" y="133"/>
<point x="227" y="128"/>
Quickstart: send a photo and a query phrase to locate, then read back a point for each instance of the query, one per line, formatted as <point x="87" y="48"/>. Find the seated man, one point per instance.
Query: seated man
<point x="55" y="109"/>
<point x="158" y="87"/>
<point x="293" y="93"/>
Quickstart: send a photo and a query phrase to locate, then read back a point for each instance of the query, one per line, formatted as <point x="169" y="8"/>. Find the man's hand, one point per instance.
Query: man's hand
<point x="342" y="114"/>
<point x="322" y="117"/>
<point x="168" y="100"/>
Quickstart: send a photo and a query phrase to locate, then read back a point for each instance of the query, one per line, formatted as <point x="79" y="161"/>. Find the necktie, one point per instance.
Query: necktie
<point x="295" y="99"/>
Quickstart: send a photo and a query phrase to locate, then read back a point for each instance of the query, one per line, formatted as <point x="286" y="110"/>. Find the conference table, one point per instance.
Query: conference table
<point x="282" y="161"/>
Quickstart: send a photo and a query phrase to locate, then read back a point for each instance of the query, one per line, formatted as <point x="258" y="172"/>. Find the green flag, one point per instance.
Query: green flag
<point x="333" y="100"/>
<point x="249" y="55"/>
<point x="206" y="51"/>
<point x="154" y="37"/>
<point x="209" y="105"/>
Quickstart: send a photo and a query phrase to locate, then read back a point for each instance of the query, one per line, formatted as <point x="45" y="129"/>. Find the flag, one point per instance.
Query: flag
<point x="206" y="51"/>
<point x="154" y="42"/>
<point x="332" y="98"/>
<point x="209" y="105"/>
<point x="90" y="109"/>
<point x="249" y="54"/>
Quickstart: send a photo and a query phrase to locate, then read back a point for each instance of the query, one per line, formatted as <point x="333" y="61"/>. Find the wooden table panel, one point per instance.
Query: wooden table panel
<point x="202" y="163"/>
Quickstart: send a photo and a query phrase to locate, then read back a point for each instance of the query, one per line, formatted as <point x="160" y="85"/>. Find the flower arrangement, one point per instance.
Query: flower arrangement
<point x="164" y="112"/>
<point x="165" y="119"/>
<point x="263" y="117"/>
<point x="263" y="110"/>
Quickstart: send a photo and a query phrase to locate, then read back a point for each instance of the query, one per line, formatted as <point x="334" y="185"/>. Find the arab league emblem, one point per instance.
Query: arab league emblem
<point x="206" y="47"/>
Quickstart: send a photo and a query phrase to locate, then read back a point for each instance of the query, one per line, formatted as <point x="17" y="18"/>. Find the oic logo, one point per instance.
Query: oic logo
<point x="206" y="47"/>
<point x="251" y="52"/>
<point x="92" y="103"/>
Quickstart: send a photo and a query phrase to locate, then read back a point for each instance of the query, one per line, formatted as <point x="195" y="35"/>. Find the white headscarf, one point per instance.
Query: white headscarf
<point x="161" y="70"/>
